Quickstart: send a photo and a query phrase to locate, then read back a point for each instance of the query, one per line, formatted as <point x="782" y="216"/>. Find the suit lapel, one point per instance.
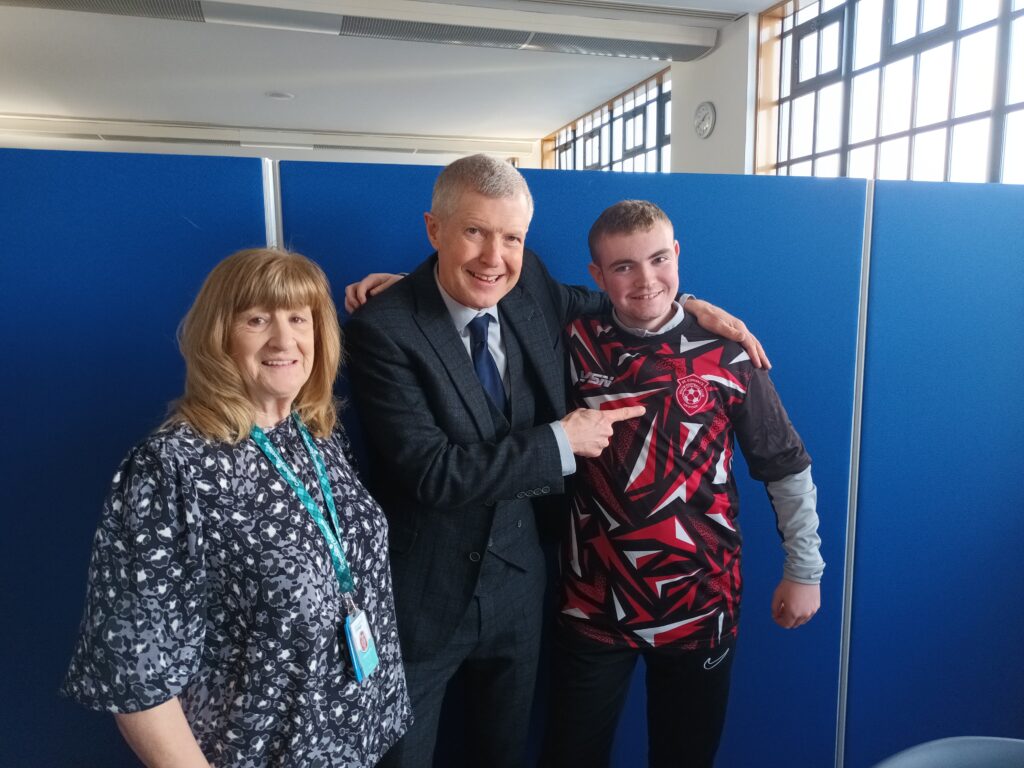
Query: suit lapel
<point x="526" y="320"/>
<point x="432" y="317"/>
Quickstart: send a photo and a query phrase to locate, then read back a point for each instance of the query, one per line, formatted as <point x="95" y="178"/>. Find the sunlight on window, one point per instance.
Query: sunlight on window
<point x="784" y="131"/>
<point x="897" y="86"/>
<point x="867" y="45"/>
<point x="864" y="107"/>
<point x="809" y="56"/>
<point x="830" y="118"/>
<point x="929" y="163"/>
<point x="1013" y="155"/>
<point x="892" y="89"/>
<point x="933" y="14"/>
<point x="904" y="22"/>
<point x="1015" y="93"/>
<point x="969" y="157"/>
<point x="974" y="12"/>
<point x="827" y="166"/>
<point x="786" y="66"/>
<point x="806" y="13"/>
<point x="892" y="159"/>
<point x="627" y="132"/>
<point x="933" y="81"/>
<point x="803" y="125"/>
<point x="829" y="48"/>
<point x="975" y="76"/>
<point x="860" y="162"/>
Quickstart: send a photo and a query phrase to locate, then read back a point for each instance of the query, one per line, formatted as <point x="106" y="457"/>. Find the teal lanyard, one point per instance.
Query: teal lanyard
<point x="341" y="569"/>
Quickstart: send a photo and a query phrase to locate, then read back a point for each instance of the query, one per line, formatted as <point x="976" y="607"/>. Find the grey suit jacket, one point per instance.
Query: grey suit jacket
<point x="438" y="468"/>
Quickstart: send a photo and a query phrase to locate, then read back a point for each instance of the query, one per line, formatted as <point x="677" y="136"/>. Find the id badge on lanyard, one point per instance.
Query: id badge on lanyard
<point x="361" y="646"/>
<point x="358" y="636"/>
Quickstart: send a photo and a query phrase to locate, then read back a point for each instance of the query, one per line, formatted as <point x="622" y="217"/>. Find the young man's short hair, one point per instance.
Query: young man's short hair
<point x="625" y="218"/>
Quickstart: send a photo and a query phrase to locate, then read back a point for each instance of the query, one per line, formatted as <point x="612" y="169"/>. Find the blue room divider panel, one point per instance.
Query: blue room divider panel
<point x="784" y="254"/>
<point x="103" y="254"/>
<point x="937" y="622"/>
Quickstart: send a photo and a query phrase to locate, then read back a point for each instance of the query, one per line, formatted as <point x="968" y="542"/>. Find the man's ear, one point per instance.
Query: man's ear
<point x="433" y="225"/>
<point x="597" y="274"/>
<point x="675" y="244"/>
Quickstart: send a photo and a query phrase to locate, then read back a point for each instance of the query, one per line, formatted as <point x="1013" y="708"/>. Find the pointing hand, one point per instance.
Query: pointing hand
<point x="589" y="430"/>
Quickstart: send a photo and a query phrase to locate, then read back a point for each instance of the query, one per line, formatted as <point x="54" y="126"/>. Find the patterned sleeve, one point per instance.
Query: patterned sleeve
<point x="141" y="637"/>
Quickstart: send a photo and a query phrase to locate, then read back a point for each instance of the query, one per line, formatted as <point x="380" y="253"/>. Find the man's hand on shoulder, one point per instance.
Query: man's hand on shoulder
<point x="721" y="323"/>
<point x="589" y="430"/>
<point x="357" y="294"/>
<point x="795" y="604"/>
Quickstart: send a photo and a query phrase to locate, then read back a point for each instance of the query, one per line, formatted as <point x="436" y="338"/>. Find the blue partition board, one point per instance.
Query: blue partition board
<point x="784" y="254"/>
<point x="102" y="255"/>
<point x="938" y="625"/>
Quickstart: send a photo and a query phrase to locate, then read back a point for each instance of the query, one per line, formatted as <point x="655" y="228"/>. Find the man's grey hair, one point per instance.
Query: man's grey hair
<point x="482" y="174"/>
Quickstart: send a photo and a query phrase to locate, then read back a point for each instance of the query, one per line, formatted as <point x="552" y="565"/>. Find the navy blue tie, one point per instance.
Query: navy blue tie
<point x="483" y="362"/>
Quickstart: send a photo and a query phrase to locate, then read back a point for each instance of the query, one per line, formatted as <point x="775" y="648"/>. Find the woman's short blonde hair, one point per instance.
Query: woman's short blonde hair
<point x="215" y="402"/>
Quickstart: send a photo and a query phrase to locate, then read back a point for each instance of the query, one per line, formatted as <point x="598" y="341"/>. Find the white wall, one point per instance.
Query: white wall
<point x="727" y="77"/>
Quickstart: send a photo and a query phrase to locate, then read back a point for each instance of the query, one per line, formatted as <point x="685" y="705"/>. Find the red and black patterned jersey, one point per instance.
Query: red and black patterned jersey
<point x="652" y="555"/>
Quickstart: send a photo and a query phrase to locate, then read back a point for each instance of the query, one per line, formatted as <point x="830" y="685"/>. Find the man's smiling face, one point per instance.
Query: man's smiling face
<point x="640" y="273"/>
<point x="480" y="247"/>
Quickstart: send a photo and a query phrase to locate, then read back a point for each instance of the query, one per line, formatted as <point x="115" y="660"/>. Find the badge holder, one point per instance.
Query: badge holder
<point x="361" y="646"/>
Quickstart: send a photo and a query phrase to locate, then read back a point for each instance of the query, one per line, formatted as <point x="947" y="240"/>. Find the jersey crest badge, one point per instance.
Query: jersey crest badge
<point x="692" y="394"/>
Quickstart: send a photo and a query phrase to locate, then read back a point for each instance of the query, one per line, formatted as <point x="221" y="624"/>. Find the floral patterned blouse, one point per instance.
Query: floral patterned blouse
<point x="209" y="581"/>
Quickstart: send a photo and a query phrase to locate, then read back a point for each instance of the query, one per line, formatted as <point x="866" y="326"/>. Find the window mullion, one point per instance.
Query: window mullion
<point x="846" y="67"/>
<point x="912" y="138"/>
<point x="887" y="27"/>
<point x="1002" y="84"/>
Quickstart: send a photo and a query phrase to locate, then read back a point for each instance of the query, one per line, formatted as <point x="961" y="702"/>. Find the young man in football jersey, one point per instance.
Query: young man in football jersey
<point x="650" y="563"/>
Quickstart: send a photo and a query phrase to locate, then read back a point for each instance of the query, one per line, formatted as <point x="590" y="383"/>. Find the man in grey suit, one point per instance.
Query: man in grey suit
<point x="458" y="375"/>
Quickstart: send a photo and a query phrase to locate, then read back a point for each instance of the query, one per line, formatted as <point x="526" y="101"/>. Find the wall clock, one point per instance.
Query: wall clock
<point x="704" y="119"/>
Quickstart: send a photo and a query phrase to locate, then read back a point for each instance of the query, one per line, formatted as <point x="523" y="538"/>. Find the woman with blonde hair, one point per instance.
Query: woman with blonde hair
<point x="239" y="608"/>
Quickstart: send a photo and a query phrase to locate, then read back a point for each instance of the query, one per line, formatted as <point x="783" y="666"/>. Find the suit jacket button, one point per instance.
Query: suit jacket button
<point x="474" y="557"/>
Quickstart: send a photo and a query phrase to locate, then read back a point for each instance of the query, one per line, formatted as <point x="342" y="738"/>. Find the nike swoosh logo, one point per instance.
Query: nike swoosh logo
<point x="711" y="664"/>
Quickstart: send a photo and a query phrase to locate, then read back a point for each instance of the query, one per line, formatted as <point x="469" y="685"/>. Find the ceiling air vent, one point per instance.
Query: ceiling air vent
<point x="423" y="32"/>
<point x="693" y="14"/>
<point x="174" y="10"/>
<point x="488" y="37"/>
<point x="545" y="32"/>
<point x="602" y="46"/>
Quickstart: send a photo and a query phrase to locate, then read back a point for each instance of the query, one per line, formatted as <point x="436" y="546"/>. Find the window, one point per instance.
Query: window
<point x="930" y="90"/>
<point x="632" y="132"/>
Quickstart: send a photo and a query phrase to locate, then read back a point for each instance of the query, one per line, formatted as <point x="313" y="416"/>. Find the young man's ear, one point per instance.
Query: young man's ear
<point x="675" y="244"/>
<point x="597" y="274"/>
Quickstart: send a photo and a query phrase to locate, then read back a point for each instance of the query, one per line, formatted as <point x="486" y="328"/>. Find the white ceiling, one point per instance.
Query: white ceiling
<point x="65" y="64"/>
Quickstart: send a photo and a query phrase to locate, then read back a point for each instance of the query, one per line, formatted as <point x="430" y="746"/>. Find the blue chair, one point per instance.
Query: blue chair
<point x="961" y="752"/>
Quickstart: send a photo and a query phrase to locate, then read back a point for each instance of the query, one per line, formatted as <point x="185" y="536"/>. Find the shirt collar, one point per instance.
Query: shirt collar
<point x="678" y="315"/>
<point x="461" y="314"/>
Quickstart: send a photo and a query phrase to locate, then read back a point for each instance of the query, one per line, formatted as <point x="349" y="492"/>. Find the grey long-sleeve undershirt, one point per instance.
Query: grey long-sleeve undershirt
<point x="794" y="499"/>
